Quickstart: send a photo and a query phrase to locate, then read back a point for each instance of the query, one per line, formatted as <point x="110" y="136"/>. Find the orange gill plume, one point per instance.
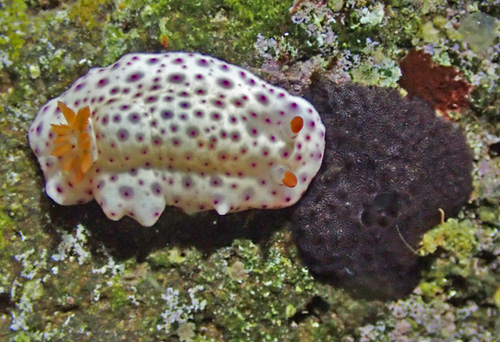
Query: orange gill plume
<point x="72" y="144"/>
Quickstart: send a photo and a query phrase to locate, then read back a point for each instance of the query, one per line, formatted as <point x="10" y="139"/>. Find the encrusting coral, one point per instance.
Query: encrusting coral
<point x="391" y="168"/>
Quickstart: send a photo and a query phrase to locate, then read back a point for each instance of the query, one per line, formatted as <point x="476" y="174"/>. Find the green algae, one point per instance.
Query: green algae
<point x="58" y="282"/>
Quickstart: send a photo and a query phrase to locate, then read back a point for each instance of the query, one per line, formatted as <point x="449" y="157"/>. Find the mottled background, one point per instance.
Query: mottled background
<point x="68" y="274"/>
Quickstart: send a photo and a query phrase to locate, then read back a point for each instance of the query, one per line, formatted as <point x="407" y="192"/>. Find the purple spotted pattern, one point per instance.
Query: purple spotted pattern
<point x="182" y="129"/>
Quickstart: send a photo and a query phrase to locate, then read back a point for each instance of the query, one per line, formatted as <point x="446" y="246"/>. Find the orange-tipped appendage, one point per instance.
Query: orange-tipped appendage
<point x="73" y="142"/>
<point x="296" y="124"/>
<point x="289" y="179"/>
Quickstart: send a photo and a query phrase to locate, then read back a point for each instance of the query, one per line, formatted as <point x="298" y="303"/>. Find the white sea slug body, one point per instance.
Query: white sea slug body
<point x="180" y="129"/>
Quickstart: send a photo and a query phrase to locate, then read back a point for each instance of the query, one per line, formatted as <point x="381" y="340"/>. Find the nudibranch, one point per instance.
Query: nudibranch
<point x="176" y="128"/>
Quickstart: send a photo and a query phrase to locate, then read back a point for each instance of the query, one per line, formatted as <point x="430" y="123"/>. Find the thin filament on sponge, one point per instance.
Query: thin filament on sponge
<point x="73" y="143"/>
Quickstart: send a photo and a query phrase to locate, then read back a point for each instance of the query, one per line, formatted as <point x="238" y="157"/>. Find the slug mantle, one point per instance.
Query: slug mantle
<point x="180" y="129"/>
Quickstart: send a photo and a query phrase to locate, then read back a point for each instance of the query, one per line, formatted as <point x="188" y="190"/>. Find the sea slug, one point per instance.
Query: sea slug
<point x="180" y="129"/>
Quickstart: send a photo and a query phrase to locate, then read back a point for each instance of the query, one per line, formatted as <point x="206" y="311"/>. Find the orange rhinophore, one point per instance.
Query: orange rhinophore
<point x="296" y="124"/>
<point x="289" y="179"/>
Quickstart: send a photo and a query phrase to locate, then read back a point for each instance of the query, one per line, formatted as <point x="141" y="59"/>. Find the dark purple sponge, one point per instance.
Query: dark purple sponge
<point x="390" y="164"/>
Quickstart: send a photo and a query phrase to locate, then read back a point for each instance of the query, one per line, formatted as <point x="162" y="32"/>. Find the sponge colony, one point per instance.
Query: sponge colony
<point x="390" y="164"/>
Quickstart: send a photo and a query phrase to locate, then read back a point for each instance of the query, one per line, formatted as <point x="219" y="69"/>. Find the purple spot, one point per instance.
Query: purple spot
<point x="224" y="67"/>
<point x="134" y="118"/>
<point x="294" y="106"/>
<point x="225" y="83"/>
<point x="178" y="61"/>
<point x="122" y="134"/>
<point x="79" y="86"/>
<point x="215" y="181"/>
<point x="187" y="182"/>
<point x="262" y="99"/>
<point x="157" y="141"/>
<point x="126" y="192"/>
<point x="139" y="137"/>
<point x="235" y="137"/>
<point x="218" y="103"/>
<point x="102" y="82"/>
<point x="176" y="78"/>
<point x="216" y="116"/>
<point x="202" y="62"/>
<point x="185" y="105"/>
<point x="166" y="115"/>
<point x="151" y="99"/>
<point x="247" y="194"/>
<point x="156" y="189"/>
<point x="114" y="90"/>
<point x="153" y="60"/>
<point x="104" y="120"/>
<point x="135" y="77"/>
<point x="39" y="129"/>
<point x="199" y="114"/>
<point x="117" y="118"/>
<point x="192" y="132"/>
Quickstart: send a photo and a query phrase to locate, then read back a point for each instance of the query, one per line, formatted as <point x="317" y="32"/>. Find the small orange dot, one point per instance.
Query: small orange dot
<point x="296" y="124"/>
<point x="289" y="179"/>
